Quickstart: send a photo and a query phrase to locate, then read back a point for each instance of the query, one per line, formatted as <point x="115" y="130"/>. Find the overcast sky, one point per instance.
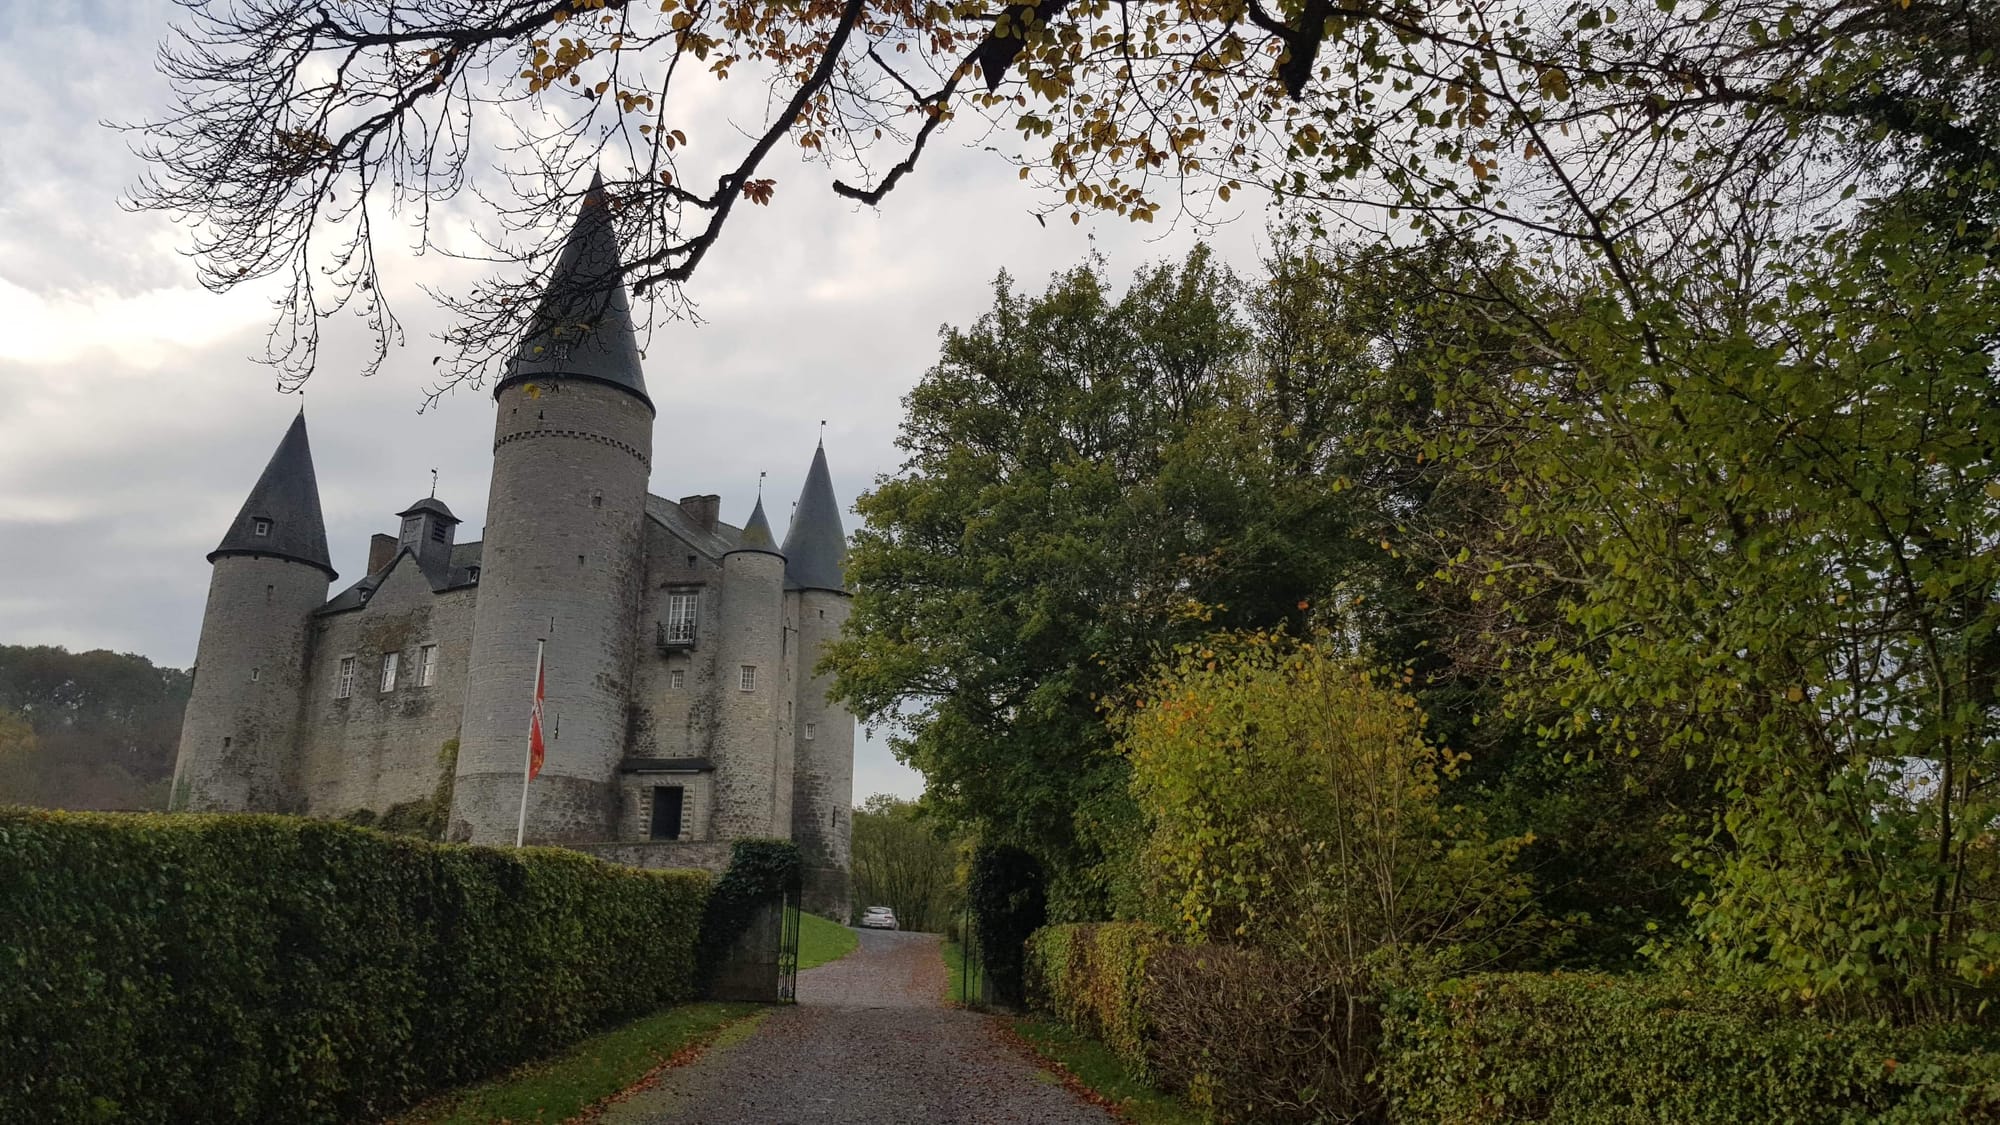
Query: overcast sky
<point x="133" y="420"/>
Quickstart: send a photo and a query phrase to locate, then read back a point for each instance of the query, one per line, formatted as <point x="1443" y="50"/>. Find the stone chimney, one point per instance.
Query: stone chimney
<point x="703" y="510"/>
<point x="381" y="549"/>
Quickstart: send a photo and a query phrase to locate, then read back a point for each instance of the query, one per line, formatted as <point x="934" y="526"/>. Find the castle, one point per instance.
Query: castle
<point x="681" y="707"/>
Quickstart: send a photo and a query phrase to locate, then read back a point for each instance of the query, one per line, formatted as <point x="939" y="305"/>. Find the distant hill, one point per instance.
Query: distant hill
<point x="88" y="730"/>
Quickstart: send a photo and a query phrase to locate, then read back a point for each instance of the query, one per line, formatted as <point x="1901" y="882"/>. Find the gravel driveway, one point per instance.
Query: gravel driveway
<point x="869" y="1041"/>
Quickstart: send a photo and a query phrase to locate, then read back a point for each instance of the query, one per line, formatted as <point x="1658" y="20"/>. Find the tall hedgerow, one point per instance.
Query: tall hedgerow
<point x="177" y="968"/>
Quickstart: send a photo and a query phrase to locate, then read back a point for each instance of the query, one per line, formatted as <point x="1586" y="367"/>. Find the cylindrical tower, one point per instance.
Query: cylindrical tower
<point x="240" y="733"/>
<point x="823" y="768"/>
<point x="823" y="734"/>
<point x="752" y="780"/>
<point x="561" y="559"/>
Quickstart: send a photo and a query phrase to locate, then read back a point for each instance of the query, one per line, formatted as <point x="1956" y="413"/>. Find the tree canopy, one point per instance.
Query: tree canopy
<point x="102" y="728"/>
<point x="1615" y="137"/>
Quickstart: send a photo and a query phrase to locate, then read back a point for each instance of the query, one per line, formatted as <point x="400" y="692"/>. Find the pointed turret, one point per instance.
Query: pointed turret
<point x="281" y="519"/>
<point x="816" y="547"/>
<point x="583" y="329"/>
<point x="757" y="532"/>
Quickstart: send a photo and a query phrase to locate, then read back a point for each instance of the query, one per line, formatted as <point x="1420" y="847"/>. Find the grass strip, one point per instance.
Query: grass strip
<point x="564" y="1086"/>
<point x="954" y="963"/>
<point x="821" y="941"/>
<point x="1091" y="1070"/>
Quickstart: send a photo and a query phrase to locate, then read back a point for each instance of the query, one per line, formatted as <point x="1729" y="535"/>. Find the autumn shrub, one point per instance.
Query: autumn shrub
<point x="1250" y="1036"/>
<point x="1292" y="804"/>
<point x="182" y="968"/>
<point x="1094" y="979"/>
<point x="1654" y="1050"/>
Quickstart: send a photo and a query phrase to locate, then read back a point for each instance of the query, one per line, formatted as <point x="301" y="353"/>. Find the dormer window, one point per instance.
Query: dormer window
<point x="260" y="527"/>
<point x="472" y="574"/>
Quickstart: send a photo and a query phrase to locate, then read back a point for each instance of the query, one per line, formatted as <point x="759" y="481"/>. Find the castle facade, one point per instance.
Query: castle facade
<point x="681" y="710"/>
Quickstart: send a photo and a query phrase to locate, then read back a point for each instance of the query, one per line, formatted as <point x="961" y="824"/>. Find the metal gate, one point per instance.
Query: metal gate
<point x="972" y="976"/>
<point x="788" y="944"/>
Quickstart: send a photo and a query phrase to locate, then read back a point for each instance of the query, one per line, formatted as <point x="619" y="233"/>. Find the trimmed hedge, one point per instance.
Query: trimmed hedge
<point x="1613" y="1050"/>
<point x="180" y="968"/>
<point x="1237" y="1032"/>
<point x="1093" y="978"/>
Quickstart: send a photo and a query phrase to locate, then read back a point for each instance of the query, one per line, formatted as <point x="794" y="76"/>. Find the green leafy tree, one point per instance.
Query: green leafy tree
<point x="1762" y="503"/>
<point x="904" y="861"/>
<point x="108" y="724"/>
<point x="1090" y="477"/>
<point x="18" y="764"/>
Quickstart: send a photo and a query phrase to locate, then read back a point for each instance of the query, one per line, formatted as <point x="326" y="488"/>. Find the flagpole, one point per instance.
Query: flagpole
<point x="528" y="766"/>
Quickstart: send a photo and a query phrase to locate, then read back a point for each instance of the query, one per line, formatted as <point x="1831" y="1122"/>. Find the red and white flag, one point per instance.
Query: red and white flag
<point x="535" y="747"/>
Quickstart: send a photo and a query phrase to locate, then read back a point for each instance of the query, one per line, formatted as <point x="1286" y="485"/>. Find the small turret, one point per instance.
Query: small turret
<point x="271" y="571"/>
<point x="753" y="748"/>
<point x="427" y="531"/>
<point x="823" y="759"/>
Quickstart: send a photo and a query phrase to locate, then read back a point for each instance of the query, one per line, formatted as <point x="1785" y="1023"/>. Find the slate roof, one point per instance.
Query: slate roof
<point x="430" y="504"/>
<point x="457" y="574"/>
<point x="713" y="543"/>
<point x="583" y="329"/>
<point x="287" y="495"/>
<point x="757" y="533"/>
<point x="816" y="546"/>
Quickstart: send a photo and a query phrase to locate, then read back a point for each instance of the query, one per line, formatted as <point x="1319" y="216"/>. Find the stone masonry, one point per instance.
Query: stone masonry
<point x="680" y="708"/>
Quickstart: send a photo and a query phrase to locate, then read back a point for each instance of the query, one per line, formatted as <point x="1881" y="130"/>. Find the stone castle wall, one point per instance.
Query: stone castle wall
<point x="374" y="750"/>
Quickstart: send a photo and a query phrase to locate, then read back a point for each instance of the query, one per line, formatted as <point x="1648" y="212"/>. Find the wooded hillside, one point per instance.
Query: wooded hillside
<point x="88" y="730"/>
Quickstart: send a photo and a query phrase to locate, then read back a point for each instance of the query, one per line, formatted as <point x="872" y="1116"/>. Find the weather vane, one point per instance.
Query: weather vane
<point x="434" y="484"/>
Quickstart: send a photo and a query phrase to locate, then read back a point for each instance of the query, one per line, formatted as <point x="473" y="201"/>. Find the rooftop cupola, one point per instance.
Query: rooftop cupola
<point x="281" y="519"/>
<point x="816" y="546"/>
<point x="757" y="533"/>
<point x="583" y="328"/>
<point x="427" y="531"/>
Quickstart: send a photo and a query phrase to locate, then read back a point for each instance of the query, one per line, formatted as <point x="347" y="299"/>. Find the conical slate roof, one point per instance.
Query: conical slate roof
<point x="757" y="532"/>
<point x="816" y="547"/>
<point x="285" y="504"/>
<point x="583" y="329"/>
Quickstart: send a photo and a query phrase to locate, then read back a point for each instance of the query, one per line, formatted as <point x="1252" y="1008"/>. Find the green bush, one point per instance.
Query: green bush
<point x="178" y="968"/>
<point x="1008" y="897"/>
<point x="1614" y="1050"/>
<point x="759" y="871"/>
<point x="1093" y="978"/>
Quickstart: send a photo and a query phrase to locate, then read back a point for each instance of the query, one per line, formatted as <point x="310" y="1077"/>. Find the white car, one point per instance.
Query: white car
<point x="878" y="918"/>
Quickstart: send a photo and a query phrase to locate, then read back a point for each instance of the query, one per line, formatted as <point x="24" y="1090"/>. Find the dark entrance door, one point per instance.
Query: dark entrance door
<point x="667" y="812"/>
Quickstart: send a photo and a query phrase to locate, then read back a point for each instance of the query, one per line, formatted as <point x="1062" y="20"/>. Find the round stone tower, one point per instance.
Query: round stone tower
<point x="823" y="761"/>
<point x="752" y="747"/>
<point x="271" y="571"/>
<point x="561" y="559"/>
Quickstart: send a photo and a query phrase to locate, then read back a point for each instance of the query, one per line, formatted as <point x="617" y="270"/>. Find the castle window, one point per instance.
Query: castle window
<point x="437" y="532"/>
<point x="667" y="802"/>
<point x="746" y="678"/>
<point x="690" y="562"/>
<point x="260" y="527"/>
<point x="389" y="670"/>
<point x="472" y="573"/>
<point x="677" y="679"/>
<point x="256" y="674"/>
<point x="225" y="742"/>
<point x="681" y="606"/>
<point x="597" y="499"/>
<point x="269" y="593"/>
<point x="343" y="684"/>
<point x="812" y="731"/>
<point x="427" y="665"/>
